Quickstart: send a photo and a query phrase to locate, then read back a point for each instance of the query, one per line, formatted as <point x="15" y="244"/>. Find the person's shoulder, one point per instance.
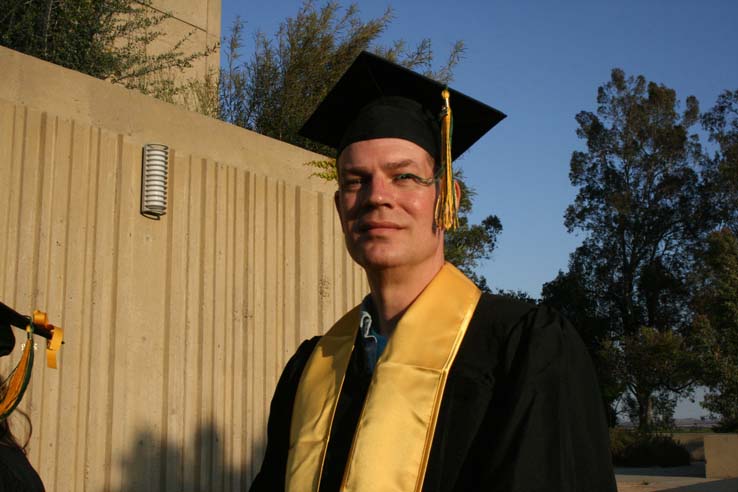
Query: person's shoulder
<point x="508" y="312"/>
<point x="303" y="352"/>
<point x="499" y="315"/>
<point x="307" y="346"/>
<point x="495" y="318"/>
<point x="504" y="309"/>
<point x="538" y="333"/>
<point x="509" y="321"/>
<point x="294" y="367"/>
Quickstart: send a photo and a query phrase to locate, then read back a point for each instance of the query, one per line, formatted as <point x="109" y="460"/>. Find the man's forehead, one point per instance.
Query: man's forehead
<point x="387" y="154"/>
<point x="350" y="166"/>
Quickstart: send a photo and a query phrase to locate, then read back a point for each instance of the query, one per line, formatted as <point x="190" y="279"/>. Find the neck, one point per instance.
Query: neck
<point x="394" y="290"/>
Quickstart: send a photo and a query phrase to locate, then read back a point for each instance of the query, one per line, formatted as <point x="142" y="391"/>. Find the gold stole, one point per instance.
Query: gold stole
<point x="393" y="438"/>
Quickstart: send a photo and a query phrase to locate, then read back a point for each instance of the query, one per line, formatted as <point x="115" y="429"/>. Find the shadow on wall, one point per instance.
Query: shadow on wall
<point x="729" y="485"/>
<point x="693" y="470"/>
<point x="198" y="465"/>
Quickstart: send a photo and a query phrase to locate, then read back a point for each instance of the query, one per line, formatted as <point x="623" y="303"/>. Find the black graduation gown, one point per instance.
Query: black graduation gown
<point x="16" y="473"/>
<point x="521" y="410"/>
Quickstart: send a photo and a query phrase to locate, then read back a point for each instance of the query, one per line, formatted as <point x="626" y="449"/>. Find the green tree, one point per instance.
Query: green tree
<point x="639" y="204"/>
<point x="716" y="324"/>
<point x="721" y="123"/>
<point x="469" y="244"/>
<point x="107" y="39"/>
<point x="716" y="301"/>
<point x="289" y="73"/>
<point x="516" y="294"/>
<point x="655" y="368"/>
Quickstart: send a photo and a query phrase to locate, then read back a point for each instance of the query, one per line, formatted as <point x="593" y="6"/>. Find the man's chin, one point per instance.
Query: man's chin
<point x="373" y="260"/>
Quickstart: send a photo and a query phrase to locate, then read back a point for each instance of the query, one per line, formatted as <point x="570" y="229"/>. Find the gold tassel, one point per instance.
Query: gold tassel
<point x="13" y="388"/>
<point x="446" y="206"/>
<point x="57" y="337"/>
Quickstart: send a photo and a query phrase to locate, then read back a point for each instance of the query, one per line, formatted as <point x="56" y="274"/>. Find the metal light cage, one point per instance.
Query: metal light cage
<point x="154" y="173"/>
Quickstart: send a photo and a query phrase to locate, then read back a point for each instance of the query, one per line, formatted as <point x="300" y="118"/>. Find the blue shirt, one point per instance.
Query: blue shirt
<point x="374" y="343"/>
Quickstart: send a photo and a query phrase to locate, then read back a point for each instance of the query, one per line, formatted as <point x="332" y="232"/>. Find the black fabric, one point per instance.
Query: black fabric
<point x="16" y="473"/>
<point x="521" y="411"/>
<point x="395" y="117"/>
<point x="371" y="77"/>
<point x="7" y="339"/>
<point x="8" y="317"/>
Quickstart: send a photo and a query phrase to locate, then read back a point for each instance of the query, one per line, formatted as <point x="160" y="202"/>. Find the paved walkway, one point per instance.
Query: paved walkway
<point x="676" y="479"/>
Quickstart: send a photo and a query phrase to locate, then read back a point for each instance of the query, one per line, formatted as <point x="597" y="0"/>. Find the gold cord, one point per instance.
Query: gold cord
<point x="13" y="388"/>
<point x="15" y="384"/>
<point x="446" y="205"/>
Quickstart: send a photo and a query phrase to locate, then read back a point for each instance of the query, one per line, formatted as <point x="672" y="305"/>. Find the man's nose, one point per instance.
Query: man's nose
<point x="379" y="191"/>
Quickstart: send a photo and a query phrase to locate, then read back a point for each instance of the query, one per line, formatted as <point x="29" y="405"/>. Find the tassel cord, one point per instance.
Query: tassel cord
<point x="446" y="213"/>
<point x="16" y="383"/>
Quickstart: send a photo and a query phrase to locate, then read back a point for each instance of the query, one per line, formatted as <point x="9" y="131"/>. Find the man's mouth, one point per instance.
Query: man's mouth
<point x="377" y="225"/>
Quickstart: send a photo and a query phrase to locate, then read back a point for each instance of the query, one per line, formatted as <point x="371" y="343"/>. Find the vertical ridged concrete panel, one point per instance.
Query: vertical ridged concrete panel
<point x="176" y="330"/>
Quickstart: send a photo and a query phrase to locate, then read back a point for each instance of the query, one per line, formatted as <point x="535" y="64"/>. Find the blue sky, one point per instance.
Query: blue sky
<point x="541" y="62"/>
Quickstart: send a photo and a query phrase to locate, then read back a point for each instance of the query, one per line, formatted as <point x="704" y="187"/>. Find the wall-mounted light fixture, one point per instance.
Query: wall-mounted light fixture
<point x="154" y="170"/>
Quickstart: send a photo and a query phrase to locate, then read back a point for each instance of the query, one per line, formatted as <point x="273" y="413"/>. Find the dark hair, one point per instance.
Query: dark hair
<point x="7" y="438"/>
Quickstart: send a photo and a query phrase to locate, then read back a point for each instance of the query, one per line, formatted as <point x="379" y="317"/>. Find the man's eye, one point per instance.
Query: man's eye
<point x="406" y="178"/>
<point x="351" y="183"/>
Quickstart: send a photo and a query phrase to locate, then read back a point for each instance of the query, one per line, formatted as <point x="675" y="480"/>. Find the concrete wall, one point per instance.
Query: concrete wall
<point x="199" y="20"/>
<point x="176" y="330"/>
<point x="721" y="456"/>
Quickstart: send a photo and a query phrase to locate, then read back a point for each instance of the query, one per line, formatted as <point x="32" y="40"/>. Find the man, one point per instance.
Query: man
<point x="429" y="384"/>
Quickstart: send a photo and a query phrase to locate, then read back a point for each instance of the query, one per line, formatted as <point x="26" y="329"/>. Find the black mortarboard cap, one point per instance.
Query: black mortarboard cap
<point x="7" y="338"/>
<point x="364" y="104"/>
<point x="9" y="317"/>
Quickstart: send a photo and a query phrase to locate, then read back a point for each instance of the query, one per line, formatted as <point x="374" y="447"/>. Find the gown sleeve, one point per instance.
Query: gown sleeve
<point x="544" y="428"/>
<point x="271" y="477"/>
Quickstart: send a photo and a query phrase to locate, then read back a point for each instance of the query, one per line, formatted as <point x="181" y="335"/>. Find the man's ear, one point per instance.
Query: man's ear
<point x="338" y="210"/>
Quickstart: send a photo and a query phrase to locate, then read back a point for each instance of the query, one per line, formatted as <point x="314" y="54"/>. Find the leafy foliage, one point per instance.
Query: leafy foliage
<point x="652" y="285"/>
<point x="639" y="201"/>
<point x="518" y="295"/>
<point x="716" y="323"/>
<point x="721" y="123"/>
<point x="324" y="169"/>
<point x="716" y="302"/>
<point x="107" y="39"/>
<point x="654" y="367"/>
<point x="469" y="244"/>
<point x="288" y="74"/>
<point x="631" y="448"/>
<point x="274" y="92"/>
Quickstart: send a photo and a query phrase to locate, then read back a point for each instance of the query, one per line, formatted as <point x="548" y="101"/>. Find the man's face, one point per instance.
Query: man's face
<point x="386" y="201"/>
